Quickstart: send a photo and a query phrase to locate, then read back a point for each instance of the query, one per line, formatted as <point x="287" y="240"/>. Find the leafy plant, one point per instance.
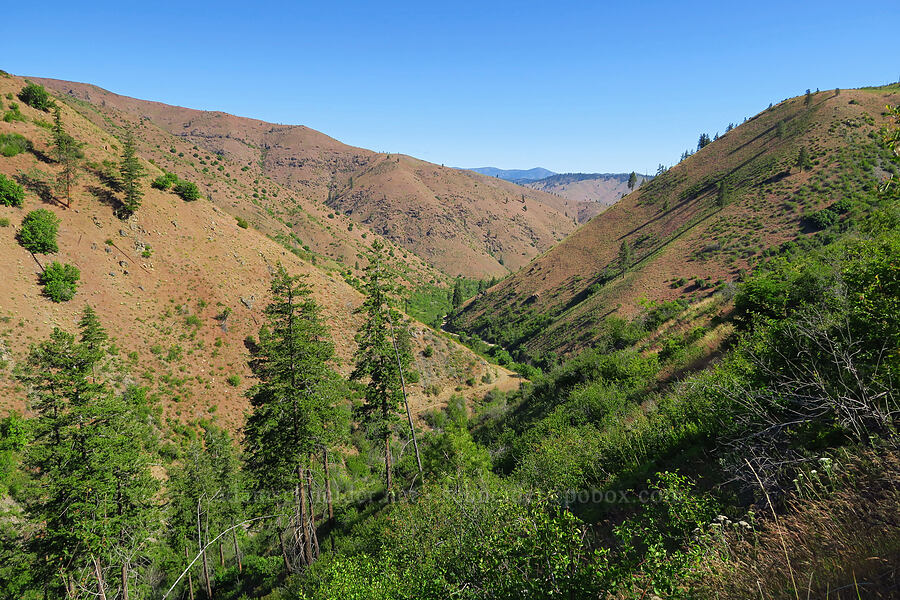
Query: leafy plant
<point x="11" y="193"/>
<point x="36" y="96"/>
<point x="187" y="190"/>
<point x="12" y="144"/>
<point x="38" y="232"/>
<point x="60" y="281"/>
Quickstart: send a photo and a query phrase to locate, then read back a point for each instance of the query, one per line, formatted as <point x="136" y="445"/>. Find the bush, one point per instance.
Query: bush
<point x="60" y="281"/>
<point x="12" y="144"/>
<point x="822" y="219"/>
<point x="165" y="181"/>
<point x="4" y="222"/>
<point x="11" y="193"/>
<point x="242" y="223"/>
<point x="38" y="233"/>
<point x="187" y="191"/>
<point x="233" y="380"/>
<point x="36" y="96"/>
<point x="13" y="114"/>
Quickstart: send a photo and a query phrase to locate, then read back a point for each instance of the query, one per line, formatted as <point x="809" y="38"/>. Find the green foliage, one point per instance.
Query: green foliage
<point x="60" y="281"/>
<point x="187" y="191"/>
<point x="130" y="171"/>
<point x="14" y="114"/>
<point x="38" y="232"/>
<point x="165" y="181"/>
<point x="36" y="96"/>
<point x="11" y="193"/>
<point x="242" y="223"/>
<point x="12" y="144"/>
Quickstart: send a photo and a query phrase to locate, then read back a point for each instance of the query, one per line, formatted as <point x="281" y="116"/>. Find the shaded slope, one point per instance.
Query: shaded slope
<point x="588" y="194"/>
<point x="685" y="240"/>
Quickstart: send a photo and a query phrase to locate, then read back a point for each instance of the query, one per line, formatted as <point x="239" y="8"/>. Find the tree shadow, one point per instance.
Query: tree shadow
<point x="42" y="156"/>
<point x="39" y="187"/>
<point x="105" y="196"/>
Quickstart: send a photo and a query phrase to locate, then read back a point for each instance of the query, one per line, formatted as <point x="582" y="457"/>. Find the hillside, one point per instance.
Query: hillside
<point x="697" y="227"/>
<point x="179" y="284"/>
<point x="460" y="222"/>
<point x="589" y="193"/>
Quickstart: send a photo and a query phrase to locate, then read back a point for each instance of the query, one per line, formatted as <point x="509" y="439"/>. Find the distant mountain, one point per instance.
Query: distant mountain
<point x="587" y="194"/>
<point x="515" y="175"/>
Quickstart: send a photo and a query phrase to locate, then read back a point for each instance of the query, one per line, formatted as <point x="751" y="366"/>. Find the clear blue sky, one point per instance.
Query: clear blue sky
<point x="570" y="86"/>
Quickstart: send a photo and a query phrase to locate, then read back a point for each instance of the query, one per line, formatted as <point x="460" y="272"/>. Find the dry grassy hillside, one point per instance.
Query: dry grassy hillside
<point x="685" y="238"/>
<point x="179" y="285"/>
<point x="589" y="194"/>
<point x="478" y="226"/>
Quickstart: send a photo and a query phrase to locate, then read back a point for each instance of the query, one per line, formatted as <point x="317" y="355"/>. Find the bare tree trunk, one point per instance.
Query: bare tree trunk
<point x="412" y="430"/>
<point x="304" y="520"/>
<point x="388" y="468"/>
<point x="206" y="575"/>
<point x="221" y="555"/>
<point x="98" y="575"/>
<point x="284" y="555"/>
<point x="187" y="555"/>
<point x="328" y="499"/>
<point x="124" y="580"/>
<point x="314" y="536"/>
<point x="237" y="550"/>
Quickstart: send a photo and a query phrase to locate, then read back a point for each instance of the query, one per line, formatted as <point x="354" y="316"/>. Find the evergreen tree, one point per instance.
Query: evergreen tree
<point x="90" y="458"/>
<point x="625" y="256"/>
<point x="381" y="345"/>
<point x="808" y="99"/>
<point x="703" y="141"/>
<point x="293" y="405"/>
<point x="632" y="180"/>
<point x="803" y="161"/>
<point x="131" y="171"/>
<point x="67" y="154"/>
<point x="458" y="296"/>
<point x="722" y="194"/>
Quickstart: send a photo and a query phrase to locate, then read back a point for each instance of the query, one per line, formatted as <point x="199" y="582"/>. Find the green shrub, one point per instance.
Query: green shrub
<point x="38" y="232"/>
<point x="187" y="191"/>
<point x="12" y="144"/>
<point x="164" y="182"/>
<point x="36" y="96"/>
<point x="242" y="223"/>
<point x="13" y="114"/>
<point x="233" y="380"/>
<point x="60" y="281"/>
<point x="11" y="193"/>
<point x="428" y="352"/>
<point x="822" y="219"/>
<point x="4" y="222"/>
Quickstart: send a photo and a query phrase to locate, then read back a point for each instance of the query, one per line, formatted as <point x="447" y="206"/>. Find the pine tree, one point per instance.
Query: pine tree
<point x="803" y="162"/>
<point x="294" y="403"/>
<point x="91" y="458"/>
<point x="632" y="180"/>
<point x="67" y="154"/>
<point x="382" y="343"/>
<point x="808" y="99"/>
<point x="131" y="171"/>
<point x="703" y="141"/>
<point x="625" y="256"/>
<point x="457" y="297"/>
<point x="721" y="194"/>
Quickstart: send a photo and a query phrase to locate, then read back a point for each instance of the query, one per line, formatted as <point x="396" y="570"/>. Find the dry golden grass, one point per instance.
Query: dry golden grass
<point x="841" y="545"/>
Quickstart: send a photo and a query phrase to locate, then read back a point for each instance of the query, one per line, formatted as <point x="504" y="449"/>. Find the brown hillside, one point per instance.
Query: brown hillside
<point x="684" y="242"/>
<point x="162" y="281"/>
<point x="478" y="226"/>
<point x="589" y="194"/>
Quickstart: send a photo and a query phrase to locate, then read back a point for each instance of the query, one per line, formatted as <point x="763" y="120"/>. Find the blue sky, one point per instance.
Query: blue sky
<point x="570" y="86"/>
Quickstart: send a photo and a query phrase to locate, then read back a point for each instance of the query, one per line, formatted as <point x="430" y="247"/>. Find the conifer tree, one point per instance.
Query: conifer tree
<point x="625" y="256"/>
<point x="67" y="154"/>
<point x="131" y="171"/>
<point x="294" y="404"/>
<point x="803" y="162"/>
<point x="632" y="180"/>
<point x="90" y="458"/>
<point x="381" y="356"/>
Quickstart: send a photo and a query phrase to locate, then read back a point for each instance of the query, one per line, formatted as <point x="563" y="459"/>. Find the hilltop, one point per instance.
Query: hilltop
<point x="696" y="228"/>
<point x="460" y="222"/>
<point x="589" y="193"/>
<point x="181" y="285"/>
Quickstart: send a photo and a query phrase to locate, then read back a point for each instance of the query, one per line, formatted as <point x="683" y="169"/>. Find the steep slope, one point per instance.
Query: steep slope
<point x="320" y="169"/>
<point x="179" y="285"/>
<point x="588" y="193"/>
<point x="686" y="237"/>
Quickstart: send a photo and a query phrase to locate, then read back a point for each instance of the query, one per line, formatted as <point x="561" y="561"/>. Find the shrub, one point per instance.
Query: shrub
<point x="242" y="223"/>
<point x="60" y="281"/>
<point x="38" y="233"/>
<point x="11" y="193"/>
<point x="187" y="191"/>
<point x="822" y="219"/>
<point x="428" y="352"/>
<point x="36" y="96"/>
<point x="13" y="114"/>
<point x="4" y="222"/>
<point x="13" y="143"/>
<point x="233" y="380"/>
<point x="165" y="181"/>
